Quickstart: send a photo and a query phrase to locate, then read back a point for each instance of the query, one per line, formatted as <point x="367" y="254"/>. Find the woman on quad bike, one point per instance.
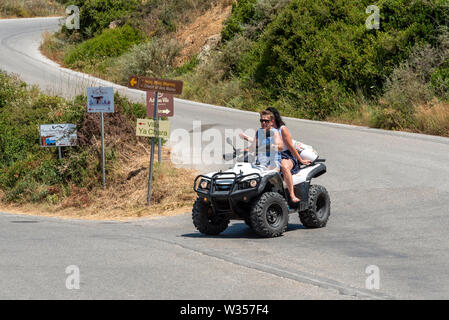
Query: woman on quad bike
<point x="267" y="143"/>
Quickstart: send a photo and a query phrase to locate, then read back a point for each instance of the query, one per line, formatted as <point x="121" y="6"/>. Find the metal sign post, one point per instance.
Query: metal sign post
<point x="101" y="99"/>
<point x="152" y="151"/>
<point x="60" y="153"/>
<point x="159" y="148"/>
<point x="102" y="151"/>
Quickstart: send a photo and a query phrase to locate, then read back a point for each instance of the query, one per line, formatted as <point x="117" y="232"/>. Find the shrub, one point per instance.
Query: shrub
<point x="96" y="15"/>
<point x="250" y="17"/>
<point x="154" y="58"/>
<point x="242" y="12"/>
<point x="440" y="80"/>
<point x="110" y="43"/>
<point x="413" y="83"/>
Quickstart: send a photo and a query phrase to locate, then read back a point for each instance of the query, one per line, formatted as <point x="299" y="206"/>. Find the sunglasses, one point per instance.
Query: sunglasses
<point x="263" y="120"/>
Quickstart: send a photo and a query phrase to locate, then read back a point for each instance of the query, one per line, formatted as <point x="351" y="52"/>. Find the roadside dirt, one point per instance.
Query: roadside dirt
<point x="204" y="30"/>
<point x="125" y="197"/>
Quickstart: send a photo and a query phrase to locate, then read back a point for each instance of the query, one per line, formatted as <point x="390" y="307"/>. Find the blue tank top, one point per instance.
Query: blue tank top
<point x="265" y="155"/>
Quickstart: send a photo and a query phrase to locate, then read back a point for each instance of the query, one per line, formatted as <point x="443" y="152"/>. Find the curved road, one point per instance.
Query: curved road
<point x="389" y="192"/>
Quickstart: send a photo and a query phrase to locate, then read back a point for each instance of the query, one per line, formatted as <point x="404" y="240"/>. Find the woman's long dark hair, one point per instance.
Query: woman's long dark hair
<point x="277" y="116"/>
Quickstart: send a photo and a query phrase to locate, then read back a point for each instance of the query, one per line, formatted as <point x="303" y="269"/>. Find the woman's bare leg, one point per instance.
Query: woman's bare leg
<point x="286" y="167"/>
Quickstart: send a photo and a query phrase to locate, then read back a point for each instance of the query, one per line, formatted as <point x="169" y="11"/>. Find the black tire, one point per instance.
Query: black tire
<point x="319" y="210"/>
<point x="206" y="221"/>
<point x="269" y="215"/>
<point x="248" y="222"/>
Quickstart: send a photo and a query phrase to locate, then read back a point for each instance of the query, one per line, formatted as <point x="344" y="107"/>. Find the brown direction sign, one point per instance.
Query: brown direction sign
<point x="154" y="84"/>
<point x="164" y="104"/>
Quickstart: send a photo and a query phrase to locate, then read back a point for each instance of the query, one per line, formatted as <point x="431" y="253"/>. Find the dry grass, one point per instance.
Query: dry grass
<point x="126" y="194"/>
<point x="52" y="48"/>
<point x="360" y="117"/>
<point x="30" y="8"/>
<point x="433" y="118"/>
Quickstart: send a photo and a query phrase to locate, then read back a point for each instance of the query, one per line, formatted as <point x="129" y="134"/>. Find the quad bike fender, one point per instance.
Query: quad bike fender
<point x="317" y="171"/>
<point x="271" y="182"/>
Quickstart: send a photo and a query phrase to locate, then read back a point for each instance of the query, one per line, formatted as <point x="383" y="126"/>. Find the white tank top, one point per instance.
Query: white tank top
<point x="283" y="142"/>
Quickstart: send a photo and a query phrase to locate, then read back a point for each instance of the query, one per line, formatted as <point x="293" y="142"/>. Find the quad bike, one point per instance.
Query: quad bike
<point x="258" y="196"/>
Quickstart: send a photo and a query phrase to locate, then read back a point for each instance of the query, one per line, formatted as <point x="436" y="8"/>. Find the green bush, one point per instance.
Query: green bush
<point x="242" y="12"/>
<point x="187" y="67"/>
<point x="31" y="173"/>
<point x="110" y="43"/>
<point x="154" y="58"/>
<point x="96" y="15"/>
<point x="319" y="54"/>
<point x="413" y="84"/>
<point x="440" y="80"/>
<point x="250" y="17"/>
<point x="27" y="170"/>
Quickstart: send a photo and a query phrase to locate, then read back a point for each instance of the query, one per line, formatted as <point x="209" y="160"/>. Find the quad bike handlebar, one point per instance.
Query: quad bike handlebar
<point x="244" y="155"/>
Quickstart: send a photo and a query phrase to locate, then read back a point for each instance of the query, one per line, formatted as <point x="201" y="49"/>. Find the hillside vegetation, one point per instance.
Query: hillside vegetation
<point x="30" y="8"/>
<point x="33" y="174"/>
<point x="318" y="60"/>
<point x="314" y="60"/>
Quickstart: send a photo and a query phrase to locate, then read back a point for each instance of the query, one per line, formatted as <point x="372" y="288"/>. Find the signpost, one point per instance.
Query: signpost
<point x="155" y="128"/>
<point x="155" y="84"/>
<point x="58" y="135"/>
<point x="101" y="99"/>
<point x="165" y="103"/>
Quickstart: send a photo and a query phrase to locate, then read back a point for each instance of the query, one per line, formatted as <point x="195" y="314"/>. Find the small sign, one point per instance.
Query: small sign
<point x="148" y="128"/>
<point x="164" y="104"/>
<point x="58" y="135"/>
<point x="100" y="99"/>
<point x="154" y="84"/>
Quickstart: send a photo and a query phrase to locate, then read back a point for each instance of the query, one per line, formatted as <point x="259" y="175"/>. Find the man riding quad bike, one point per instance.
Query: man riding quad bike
<point x="258" y="196"/>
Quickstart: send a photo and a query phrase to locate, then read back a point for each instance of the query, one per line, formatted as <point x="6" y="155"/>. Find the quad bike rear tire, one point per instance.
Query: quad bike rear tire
<point x="319" y="206"/>
<point x="269" y="215"/>
<point x="206" y="221"/>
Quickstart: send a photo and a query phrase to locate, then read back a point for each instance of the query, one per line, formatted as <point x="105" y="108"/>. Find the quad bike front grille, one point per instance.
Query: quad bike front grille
<point x="223" y="187"/>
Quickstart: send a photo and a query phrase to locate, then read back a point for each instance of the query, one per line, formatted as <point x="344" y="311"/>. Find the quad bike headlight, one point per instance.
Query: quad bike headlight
<point x="253" y="183"/>
<point x="204" y="184"/>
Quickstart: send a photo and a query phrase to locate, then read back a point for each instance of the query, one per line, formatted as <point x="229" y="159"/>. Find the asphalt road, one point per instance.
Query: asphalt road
<point x="390" y="209"/>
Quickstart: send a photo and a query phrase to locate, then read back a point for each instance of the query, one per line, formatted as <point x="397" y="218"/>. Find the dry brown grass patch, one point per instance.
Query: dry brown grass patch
<point x="126" y="194"/>
<point x="433" y="118"/>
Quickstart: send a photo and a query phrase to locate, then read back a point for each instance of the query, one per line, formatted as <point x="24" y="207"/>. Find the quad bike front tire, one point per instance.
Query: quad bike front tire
<point x="269" y="215"/>
<point x="319" y="208"/>
<point x="248" y="222"/>
<point x="206" y="221"/>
